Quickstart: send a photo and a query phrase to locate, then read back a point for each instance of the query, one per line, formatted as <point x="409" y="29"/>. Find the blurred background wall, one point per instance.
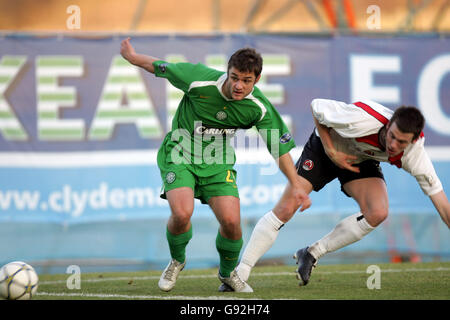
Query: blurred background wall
<point x="226" y="15"/>
<point x="80" y="127"/>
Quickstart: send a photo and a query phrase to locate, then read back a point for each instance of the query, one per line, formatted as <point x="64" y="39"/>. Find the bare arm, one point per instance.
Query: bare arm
<point x="342" y="160"/>
<point x="442" y="205"/>
<point x="127" y="51"/>
<point x="288" y="168"/>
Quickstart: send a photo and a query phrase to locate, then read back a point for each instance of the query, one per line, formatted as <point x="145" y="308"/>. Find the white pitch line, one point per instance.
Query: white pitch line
<point x="262" y="274"/>
<point x="143" y="297"/>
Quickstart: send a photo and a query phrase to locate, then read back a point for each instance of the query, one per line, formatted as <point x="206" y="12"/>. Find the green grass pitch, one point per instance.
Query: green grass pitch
<point x="403" y="281"/>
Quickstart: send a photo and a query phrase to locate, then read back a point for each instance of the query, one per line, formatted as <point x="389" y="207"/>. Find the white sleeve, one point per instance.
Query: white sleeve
<point x="417" y="162"/>
<point x="347" y="120"/>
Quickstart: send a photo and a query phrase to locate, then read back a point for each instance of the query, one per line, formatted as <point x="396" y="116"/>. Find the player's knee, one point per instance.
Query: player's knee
<point x="231" y="226"/>
<point x="181" y="217"/>
<point x="285" y="211"/>
<point x="376" y="216"/>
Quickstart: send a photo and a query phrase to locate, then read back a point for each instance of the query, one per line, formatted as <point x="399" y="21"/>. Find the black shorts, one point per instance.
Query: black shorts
<point x="315" y="166"/>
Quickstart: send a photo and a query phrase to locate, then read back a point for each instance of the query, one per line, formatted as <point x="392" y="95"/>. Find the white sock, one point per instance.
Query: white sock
<point x="349" y="230"/>
<point x="263" y="236"/>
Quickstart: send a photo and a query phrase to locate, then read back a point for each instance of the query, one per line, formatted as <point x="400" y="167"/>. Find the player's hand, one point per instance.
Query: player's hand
<point x="126" y="50"/>
<point x="302" y="198"/>
<point x="343" y="160"/>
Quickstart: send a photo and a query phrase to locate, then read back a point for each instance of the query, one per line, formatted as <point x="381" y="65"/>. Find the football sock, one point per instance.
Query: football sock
<point x="229" y="254"/>
<point x="178" y="243"/>
<point x="263" y="236"/>
<point x="349" y="230"/>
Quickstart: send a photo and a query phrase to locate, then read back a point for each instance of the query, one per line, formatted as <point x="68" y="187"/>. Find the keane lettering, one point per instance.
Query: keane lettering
<point x="125" y="99"/>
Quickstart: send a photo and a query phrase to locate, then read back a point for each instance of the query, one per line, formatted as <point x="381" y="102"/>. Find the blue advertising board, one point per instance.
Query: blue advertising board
<point x="80" y="127"/>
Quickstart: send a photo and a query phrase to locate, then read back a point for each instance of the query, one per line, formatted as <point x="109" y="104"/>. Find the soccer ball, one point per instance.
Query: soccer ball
<point x="18" y="281"/>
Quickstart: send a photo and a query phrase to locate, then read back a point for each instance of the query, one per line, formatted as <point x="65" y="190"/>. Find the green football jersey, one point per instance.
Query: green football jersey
<point x="206" y="120"/>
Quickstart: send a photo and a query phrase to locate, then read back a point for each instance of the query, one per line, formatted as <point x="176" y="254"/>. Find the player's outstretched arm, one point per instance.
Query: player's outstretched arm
<point x="141" y="60"/>
<point x="442" y="205"/>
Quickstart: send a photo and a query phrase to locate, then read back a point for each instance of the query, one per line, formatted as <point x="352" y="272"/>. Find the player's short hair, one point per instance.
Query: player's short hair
<point x="246" y="60"/>
<point x="409" y="120"/>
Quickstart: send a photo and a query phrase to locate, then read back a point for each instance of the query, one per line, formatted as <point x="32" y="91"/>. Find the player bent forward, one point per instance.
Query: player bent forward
<point x="348" y="143"/>
<point x="214" y="103"/>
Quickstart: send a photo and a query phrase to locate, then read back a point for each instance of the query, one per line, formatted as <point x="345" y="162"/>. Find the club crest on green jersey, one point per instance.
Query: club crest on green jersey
<point x="170" y="177"/>
<point x="221" y="115"/>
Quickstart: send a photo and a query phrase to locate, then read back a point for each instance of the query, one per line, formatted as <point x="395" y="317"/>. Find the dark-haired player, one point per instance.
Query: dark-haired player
<point x="349" y="142"/>
<point x="196" y="158"/>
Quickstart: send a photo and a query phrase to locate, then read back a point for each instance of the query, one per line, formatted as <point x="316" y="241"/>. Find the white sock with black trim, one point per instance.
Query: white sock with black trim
<point x="348" y="231"/>
<point x="263" y="236"/>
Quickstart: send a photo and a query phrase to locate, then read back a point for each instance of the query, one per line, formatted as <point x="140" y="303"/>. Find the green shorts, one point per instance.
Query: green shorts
<point x="206" y="180"/>
<point x="221" y="184"/>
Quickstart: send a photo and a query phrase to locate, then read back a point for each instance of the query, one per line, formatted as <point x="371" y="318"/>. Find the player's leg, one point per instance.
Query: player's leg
<point x="314" y="170"/>
<point x="221" y="193"/>
<point x="267" y="228"/>
<point x="372" y="198"/>
<point x="229" y="236"/>
<point x="178" y="233"/>
<point x="179" y="228"/>
<point x="178" y="186"/>
<point x="229" y="240"/>
<point x="369" y="190"/>
<point x="371" y="195"/>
